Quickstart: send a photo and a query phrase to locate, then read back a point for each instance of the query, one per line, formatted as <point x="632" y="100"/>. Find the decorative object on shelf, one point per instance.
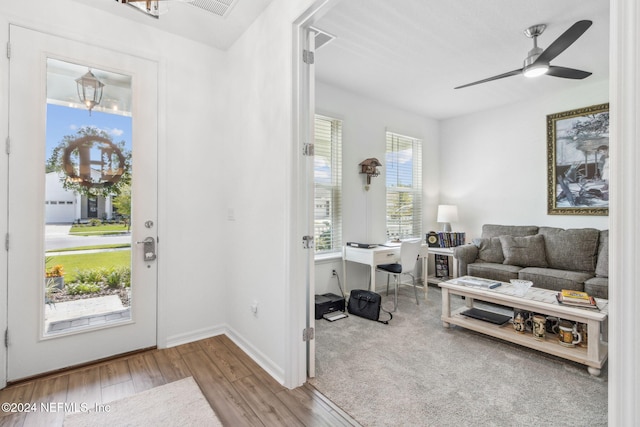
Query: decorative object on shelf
<point x="518" y="324"/>
<point x="446" y="215"/>
<point x="522" y="286"/>
<point x="568" y="334"/>
<point x="370" y="168"/>
<point x="578" y="161"/>
<point x="539" y="330"/>
<point x="89" y="90"/>
<point x="432" y="239"/>
<point x="446" y="239"/>
<point x="442" y="265"/>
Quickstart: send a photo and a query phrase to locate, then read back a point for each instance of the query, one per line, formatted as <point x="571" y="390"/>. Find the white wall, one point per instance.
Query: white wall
<point x="257" y="165"/>
<point x="497" y="161"/>
<point x="364" y="123"/>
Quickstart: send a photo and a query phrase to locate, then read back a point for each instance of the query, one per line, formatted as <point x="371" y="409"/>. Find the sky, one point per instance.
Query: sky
<point x="62" y="121"/>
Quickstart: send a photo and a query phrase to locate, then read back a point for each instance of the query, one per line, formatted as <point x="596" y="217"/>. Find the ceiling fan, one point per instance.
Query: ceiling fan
<point x="537" y="61"/>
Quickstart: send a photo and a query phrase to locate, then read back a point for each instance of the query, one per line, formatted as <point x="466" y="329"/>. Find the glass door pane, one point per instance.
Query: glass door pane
<point x="88" y="157"/>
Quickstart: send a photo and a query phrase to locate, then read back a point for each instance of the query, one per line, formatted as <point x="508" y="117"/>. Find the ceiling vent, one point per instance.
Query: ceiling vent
<point x="217" y="7"/>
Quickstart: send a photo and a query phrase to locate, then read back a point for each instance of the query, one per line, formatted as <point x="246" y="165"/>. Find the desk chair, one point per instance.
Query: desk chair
<point x="409" y="251"/>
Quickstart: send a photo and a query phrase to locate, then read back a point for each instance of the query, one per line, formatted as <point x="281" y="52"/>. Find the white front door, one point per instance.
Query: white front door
<point x="97" y="152"/>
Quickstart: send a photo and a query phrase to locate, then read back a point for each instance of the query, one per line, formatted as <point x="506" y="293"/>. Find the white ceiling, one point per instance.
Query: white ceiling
<point x="412" y="53"/>
<point x="192" y="22"/>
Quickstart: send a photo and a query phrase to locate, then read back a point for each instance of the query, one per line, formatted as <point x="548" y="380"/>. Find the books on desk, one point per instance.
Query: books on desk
<point x="362" y="245"/>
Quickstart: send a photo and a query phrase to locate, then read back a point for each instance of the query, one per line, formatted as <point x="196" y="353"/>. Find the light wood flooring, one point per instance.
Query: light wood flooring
<point x="240" y="392"/>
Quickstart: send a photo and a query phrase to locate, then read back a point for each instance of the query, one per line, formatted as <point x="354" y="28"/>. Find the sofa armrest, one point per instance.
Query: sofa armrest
<point x="466" y="254"/>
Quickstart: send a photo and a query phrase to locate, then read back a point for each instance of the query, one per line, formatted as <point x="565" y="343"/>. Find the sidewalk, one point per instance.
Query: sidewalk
<point x="63" y="316"/>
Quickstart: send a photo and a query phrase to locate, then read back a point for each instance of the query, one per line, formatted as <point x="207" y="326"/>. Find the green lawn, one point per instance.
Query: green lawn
<point x="71" y="263"/>
<point x="98" y="229"/>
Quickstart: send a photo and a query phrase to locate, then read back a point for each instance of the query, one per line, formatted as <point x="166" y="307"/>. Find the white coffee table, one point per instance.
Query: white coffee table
<point x="537" y="300"/>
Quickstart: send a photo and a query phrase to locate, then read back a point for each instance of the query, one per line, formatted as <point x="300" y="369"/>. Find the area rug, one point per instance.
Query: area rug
<point x="415" y="372"/>
<point x="180" y="403"/>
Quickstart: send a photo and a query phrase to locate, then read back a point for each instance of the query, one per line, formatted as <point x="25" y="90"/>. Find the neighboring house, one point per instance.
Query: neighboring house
<point x="64" y="206"/>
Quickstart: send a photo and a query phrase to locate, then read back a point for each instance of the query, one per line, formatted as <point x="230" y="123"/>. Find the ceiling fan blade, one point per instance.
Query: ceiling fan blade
<point x="501" y="76"/>
<point x="567" y="73"/>
<point x="564" y="41"/>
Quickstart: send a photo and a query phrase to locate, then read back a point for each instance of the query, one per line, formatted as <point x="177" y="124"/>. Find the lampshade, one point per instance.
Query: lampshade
<point x="446" y="215"/>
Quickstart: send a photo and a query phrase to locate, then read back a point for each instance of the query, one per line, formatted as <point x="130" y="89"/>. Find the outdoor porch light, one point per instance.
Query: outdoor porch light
<point x="447" y="214"/>
<point x="89" y="90"/>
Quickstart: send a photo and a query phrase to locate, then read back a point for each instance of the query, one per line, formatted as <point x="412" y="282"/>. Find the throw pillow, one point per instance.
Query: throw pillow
<point x="489" y="250"/>
<point x="524" y="251"/>
<point x="573" y="249"/>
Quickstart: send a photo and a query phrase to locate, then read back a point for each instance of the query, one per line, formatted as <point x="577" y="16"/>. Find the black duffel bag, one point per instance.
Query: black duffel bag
<point x="366" y="304"/>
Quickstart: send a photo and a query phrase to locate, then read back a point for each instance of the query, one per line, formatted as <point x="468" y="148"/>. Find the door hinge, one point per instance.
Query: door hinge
<point x="308" y="57"/>
<point x="8" y="145"/>
<point x="6" y="338"/>
<point x="9" y="50"/>
<point x="307" y="242"/>
<point x="308" y="149"/>
<point x="6" y="241"/>
<point x="308" y="334"/>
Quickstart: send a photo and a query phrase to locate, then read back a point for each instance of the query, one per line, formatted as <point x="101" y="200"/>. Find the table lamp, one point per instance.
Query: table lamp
<point x="446" y="215"/>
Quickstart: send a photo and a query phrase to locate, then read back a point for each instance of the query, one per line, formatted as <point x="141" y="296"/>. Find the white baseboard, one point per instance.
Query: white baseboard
<point x="265" y="363"/>
<point x="196" y="335"/>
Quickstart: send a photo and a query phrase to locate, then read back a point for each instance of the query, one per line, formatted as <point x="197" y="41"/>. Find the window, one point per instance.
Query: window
<point x="327" y="173"/>
<point x="403" y="167"/>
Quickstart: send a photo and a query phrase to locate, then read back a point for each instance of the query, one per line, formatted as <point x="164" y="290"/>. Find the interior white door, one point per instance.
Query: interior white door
<point x="31" y="348"/>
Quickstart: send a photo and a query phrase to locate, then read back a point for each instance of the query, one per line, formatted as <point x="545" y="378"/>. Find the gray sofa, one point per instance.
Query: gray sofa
<point x="552" y="258"/>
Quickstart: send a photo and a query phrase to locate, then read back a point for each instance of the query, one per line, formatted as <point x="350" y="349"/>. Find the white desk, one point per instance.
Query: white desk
<point x="377" y="256"/>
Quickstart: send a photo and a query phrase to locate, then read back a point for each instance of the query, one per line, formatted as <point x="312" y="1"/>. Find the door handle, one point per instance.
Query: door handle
<point x="149" y="248"/>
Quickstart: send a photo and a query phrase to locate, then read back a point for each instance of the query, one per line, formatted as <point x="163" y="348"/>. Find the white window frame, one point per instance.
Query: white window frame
<point x="403" y="220"/>
<point x="327" y="187"/>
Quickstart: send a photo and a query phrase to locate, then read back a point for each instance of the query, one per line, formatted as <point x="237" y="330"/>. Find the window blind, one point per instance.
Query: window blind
<point x="403" y="167"/>
<point x="328" y="185"/>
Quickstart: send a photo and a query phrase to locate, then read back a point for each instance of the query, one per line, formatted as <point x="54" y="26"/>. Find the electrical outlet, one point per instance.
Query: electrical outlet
<point x="334" y="273"/>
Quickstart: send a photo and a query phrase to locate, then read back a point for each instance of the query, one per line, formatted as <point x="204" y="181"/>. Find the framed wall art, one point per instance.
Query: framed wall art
<point x="578" y="161"/>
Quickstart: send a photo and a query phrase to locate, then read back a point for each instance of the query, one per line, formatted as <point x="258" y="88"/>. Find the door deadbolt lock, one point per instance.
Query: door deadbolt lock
<point x="149" y="248"/>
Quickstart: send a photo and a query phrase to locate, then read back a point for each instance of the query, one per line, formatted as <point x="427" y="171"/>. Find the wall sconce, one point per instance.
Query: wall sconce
<point x="89" y="90"/>
<point x="370" y="167"/>
<point x="446" y="215"/>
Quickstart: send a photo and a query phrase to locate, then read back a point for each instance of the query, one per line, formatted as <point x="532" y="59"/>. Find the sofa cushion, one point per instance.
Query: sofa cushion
<point x="597" y="287"/>
<point x="489" y="250"/>
<point x="493" y="271"/>
<point x="573" y="249"/>
<point x="493" y="230"/>
<point x="602" y="265"/>
<point x="553" y="279"/>
<point x="525" y="251"/>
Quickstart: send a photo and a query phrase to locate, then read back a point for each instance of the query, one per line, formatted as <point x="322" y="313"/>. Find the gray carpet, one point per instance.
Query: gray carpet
<point x="415" y="372"/>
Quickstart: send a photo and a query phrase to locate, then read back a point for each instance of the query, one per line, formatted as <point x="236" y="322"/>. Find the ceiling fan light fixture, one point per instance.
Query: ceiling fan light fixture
<point x="535" y="70"/>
